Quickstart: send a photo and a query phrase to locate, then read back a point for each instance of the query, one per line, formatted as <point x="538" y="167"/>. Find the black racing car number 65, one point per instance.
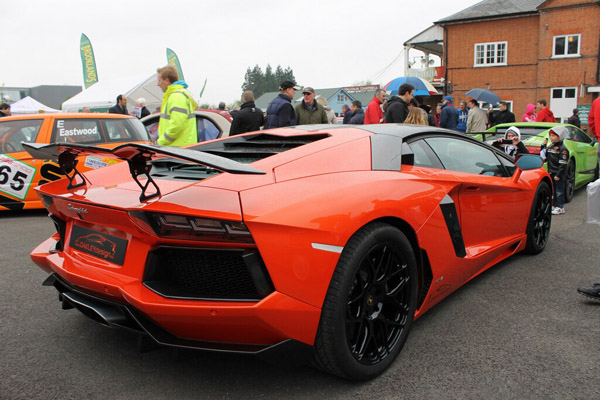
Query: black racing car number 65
<point x="18" y="178"/>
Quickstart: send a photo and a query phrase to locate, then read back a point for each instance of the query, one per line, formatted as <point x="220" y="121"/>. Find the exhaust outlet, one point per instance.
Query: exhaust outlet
<point x="97" y="311"/>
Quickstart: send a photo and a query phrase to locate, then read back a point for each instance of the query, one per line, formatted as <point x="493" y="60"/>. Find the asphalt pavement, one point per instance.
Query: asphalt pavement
<point x="518" y="331"/>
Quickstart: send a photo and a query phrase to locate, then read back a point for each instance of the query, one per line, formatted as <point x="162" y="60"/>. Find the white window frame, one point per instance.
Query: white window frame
<point x="566" y="37"/>
<point x="485" y="47"/>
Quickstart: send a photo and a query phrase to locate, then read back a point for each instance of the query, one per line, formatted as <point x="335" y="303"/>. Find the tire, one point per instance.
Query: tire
<point x="570" y="183"/>
<point x="369" y="306"/>
<point x="540" y="218"/>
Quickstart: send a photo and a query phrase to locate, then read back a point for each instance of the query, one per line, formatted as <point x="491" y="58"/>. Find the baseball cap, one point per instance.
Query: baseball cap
<point x="308" y="89"/>
<point x="449" y="98"/>
<point x="288" y="85"/>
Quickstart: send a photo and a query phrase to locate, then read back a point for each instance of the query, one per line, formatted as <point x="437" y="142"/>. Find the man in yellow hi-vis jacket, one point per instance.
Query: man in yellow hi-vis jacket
<point x="177" y="124"/>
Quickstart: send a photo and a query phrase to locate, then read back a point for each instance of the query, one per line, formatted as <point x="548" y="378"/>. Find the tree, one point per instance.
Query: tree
<point x="261" y="83"/>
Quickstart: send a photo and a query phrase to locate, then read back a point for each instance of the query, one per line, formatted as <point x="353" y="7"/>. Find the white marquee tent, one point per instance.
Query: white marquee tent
<point x="29" y="105"/>
<point x="103" y="94"/>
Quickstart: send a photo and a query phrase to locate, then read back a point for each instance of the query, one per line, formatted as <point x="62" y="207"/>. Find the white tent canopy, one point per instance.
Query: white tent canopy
<point x="29" y="105"/>
<point x="103" y="94"/>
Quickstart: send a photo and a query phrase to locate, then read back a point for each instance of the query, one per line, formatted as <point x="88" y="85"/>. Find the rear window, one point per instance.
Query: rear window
<point x="91" y="131"/>
<point x="13" y="133"/>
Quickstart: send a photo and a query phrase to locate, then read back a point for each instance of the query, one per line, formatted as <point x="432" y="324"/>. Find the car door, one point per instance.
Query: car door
<point x="19" y="172"/>
<point x="586" y="158"/>
<point x="493" y="208"/>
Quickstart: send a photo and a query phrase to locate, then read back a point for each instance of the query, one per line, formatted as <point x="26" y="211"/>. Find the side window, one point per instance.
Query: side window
<point x="76" y="131"/>
<point x="13" y="133"/>
<point x="577" y="135"/>
<point x="207" y="130"/>
<point x="424" y="156"/>
<point x="118" y="131"/>
<point x="462" y="156"/>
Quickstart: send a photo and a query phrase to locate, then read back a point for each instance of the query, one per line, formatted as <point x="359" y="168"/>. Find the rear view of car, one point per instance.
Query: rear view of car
<point x="20" y="173"/>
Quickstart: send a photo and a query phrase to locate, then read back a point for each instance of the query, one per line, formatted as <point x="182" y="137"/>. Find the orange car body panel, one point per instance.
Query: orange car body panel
<point x="303" y="200"/>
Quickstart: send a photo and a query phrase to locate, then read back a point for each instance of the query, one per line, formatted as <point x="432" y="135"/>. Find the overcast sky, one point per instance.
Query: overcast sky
<point x="326" y="43"/>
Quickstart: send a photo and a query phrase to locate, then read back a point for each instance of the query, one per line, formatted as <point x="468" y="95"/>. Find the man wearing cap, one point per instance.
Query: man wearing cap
<point x="280" y="111"/>
<point x="501" y="117"/>
<point x="310" y="111"/>
<point x="374" y="113"/>
<point x="449" y="115"/>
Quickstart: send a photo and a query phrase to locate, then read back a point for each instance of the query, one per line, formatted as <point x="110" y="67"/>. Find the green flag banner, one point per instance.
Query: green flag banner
<point x="203" y="87"/>
<point x="88" y="62"/>
<point x="172" y="59"/>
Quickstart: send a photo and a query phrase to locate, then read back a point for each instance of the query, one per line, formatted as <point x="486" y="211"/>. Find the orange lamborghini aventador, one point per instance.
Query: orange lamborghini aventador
<point x="328" y="240"/>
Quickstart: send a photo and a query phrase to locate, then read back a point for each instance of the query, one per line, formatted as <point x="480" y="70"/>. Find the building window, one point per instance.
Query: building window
<point x="566" y="46"/>
<point x="490" y="54"/>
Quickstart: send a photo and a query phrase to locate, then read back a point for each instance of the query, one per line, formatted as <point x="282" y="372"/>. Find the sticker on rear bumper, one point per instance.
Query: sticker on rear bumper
<point x="101" y="245"/>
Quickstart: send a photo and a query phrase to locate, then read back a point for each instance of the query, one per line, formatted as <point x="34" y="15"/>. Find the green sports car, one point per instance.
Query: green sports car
<point x="583" y="156"/>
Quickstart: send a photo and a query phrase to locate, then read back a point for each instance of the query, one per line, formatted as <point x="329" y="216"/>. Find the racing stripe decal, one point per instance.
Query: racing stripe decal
<point x="451" y="216"/>
<point x="11" y="204"/>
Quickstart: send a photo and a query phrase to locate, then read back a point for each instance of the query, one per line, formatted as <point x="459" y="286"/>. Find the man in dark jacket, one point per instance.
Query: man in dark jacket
<point x="347" y="113"/>
<point x="249" y="118"/>
<point x="501" y="117"/>
<point x="120" y="107"/>
<point x="574" y="119"/>
<point x="397" y="108"/>
<point x="449" y="115"/>
<point x="309" y="111"/>
<point x="358" y="114"/>
<point x="280" y="111"/>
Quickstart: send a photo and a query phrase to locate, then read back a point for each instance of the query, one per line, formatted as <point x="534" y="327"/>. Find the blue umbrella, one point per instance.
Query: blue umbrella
<point x="422" y="87"/>
<point x="484" y="95"/>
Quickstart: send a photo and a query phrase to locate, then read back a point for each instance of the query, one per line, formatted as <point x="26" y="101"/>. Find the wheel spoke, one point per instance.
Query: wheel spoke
<point x="378" y="304"/>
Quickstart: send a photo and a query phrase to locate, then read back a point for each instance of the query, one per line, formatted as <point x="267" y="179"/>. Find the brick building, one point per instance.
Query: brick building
<point x="525" y="50"/>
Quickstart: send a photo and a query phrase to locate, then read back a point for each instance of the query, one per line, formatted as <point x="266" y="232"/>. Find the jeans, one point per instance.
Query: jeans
<point x="559" y="190"/>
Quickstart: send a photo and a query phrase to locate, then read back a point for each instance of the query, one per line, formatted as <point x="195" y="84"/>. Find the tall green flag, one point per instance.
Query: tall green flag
<point x="172" y="59"/>
<point x="88" y="62"/>
<point x="203" y="87"/>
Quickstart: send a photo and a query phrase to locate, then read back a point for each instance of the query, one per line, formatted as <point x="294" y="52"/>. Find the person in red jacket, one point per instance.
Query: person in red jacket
<point x="374" y="113"/>
<point x="544" y="114"/>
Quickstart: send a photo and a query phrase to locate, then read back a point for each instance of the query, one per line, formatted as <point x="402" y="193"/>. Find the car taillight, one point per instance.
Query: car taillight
<point x="533" y="149"/>
<point x="194" y="228"/>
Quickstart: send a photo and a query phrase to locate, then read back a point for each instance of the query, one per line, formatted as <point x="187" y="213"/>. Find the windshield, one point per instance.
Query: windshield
<point x="13" y="133"/>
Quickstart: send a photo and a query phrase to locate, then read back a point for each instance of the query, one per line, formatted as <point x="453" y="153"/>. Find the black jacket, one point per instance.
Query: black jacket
<point x="574" y="120"/>
<point x="557" y="157"/>
<point x="249" y="118"/>
<point x="397" y="110"/>
<point x="511" y="150"/>
<point x="144" y="112"/>
<point x="347" y="116"/>
<point x="116" y="109"/>
<point x="358" y="117"/>
<point x="280" y="112"/>
<point x="501" y="117"/>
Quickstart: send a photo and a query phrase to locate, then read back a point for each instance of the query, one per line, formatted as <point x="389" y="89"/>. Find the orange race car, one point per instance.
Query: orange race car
<point x="325" y="239"/>
<point x="19" y="172"/>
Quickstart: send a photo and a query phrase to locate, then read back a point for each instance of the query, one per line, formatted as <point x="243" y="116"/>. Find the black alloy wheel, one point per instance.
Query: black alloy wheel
<point x="570" y="183"/>
<point x="370" y="304"/>
<point x="540" y="218"/>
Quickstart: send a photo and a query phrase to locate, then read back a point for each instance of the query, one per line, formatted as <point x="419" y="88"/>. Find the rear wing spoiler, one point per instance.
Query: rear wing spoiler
<point x="137" y="156"/>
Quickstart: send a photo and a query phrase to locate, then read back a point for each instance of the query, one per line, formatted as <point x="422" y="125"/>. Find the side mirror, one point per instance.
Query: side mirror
<point x="529" y="161"/>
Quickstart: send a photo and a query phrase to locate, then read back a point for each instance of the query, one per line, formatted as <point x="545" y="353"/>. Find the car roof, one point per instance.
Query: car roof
<point x="399" y="130"/>
<point x="67" y="116"/>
